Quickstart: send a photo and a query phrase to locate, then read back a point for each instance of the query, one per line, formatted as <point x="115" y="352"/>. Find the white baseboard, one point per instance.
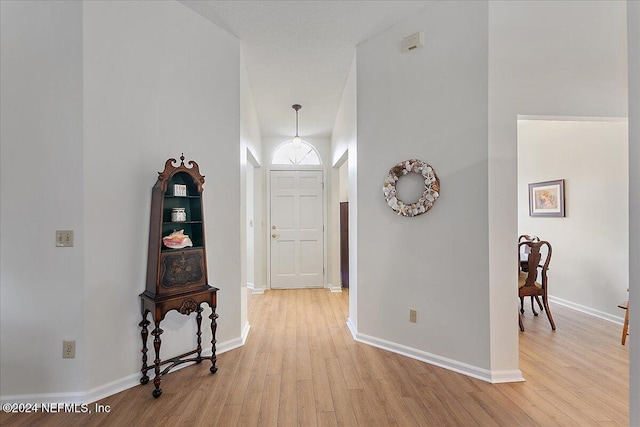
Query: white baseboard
<point x="442" y="362"/>
<point x="232" y="344"/>
<point x="71" y="397"/>
<point x="514" y="376"/>
<point x="245" y="332"/>
<point x="334" y="288"/>
<point x="119" y="385"/>
<point x="463" y="368"/>
<point x="587" y="310"/>
<point x="352" y="328"/>
<point x="254" y="290"/>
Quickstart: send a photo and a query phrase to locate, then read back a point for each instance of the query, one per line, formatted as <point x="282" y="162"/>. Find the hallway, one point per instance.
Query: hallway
<point x="300" y="366"/>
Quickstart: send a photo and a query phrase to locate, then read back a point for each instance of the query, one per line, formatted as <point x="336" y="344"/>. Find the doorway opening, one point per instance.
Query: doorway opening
<point x="589" y="269"/>
<point x="296" y="218"/>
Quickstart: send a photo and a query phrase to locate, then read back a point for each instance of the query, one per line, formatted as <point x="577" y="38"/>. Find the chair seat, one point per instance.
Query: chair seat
<point x="522" y="277"/>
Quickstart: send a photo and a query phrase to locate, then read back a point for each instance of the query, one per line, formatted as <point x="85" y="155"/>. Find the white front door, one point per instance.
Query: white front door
<point x="296" y="229"/>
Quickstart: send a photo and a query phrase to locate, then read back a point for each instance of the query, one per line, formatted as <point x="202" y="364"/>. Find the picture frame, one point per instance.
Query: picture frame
<point x="547" y="198"/>
<point x="180" y="190"/>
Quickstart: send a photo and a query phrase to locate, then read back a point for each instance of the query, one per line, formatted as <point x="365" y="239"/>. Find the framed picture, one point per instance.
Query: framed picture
<point x="546" y="198"/>
<point x="179" y="190"/>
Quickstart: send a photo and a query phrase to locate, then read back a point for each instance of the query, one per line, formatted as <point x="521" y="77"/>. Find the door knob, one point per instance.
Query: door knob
<point x="274" y="235"/>
<point x="273" y="227"/>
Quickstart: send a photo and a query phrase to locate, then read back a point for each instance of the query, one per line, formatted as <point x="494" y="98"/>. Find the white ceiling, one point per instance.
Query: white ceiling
<point x="301" y="52"/>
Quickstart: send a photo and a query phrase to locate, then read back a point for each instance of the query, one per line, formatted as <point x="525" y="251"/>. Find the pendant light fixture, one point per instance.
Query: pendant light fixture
<point x="296" y="139"/>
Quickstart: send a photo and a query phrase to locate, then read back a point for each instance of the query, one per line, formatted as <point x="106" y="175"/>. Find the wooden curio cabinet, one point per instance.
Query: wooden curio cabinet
<point x="172" y="271"/>
<point x="176" y="266"/>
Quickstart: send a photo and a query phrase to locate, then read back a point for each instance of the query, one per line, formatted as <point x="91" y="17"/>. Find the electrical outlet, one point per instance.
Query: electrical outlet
<point x="413" y="316"/>
<point x="69" y="349"/>
<point x="64" y="238"/>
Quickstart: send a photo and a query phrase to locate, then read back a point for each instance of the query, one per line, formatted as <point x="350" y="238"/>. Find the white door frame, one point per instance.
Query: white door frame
<point x="324" y="215"/>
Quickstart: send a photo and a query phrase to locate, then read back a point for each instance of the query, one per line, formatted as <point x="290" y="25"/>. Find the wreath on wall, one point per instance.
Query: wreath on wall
<point x="429" y="196"/>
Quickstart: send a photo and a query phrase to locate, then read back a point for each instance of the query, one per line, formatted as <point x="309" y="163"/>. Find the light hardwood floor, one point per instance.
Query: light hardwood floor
<point x="300" y="366"/>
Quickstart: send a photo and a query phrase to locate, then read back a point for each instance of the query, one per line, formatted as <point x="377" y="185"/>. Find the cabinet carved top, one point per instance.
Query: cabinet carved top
<point x="171" y="167"/>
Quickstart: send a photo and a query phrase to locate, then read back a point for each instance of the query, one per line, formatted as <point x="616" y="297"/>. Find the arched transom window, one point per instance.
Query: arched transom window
<point x="290" y="153"/>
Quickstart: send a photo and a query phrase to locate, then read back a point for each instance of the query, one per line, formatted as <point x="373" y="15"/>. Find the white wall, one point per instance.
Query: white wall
<point x="558" y="58"/>
<point x="339" y="193"/>
<point x="343" y="144"/>
<point x="343" y="188"/>
<point x="42" y="289"/>
<point x="253" y="250"/>
<point x="590" y="260"/>
<point x="259" y="226"/>
<point x="343" y="136"/>
<point x="429" y="104"/>
<point x="250" y="226"/>
<point x="159" y="81"/>
<point x="333" y="228"/>
<point x="144" y="81"/>
<point x="633" y="36"/>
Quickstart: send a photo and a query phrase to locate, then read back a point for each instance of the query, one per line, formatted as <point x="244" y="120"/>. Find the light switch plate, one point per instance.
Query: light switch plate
<point x="64" y="238"/>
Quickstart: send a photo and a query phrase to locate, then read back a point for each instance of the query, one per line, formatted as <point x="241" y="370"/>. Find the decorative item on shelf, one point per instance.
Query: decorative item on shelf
<point x="546" y="198"/>
<point x="180" y="190"/>
<point x="177" y="240"/>
<point x="178" y="215"/>
<point x="429" y="196"/>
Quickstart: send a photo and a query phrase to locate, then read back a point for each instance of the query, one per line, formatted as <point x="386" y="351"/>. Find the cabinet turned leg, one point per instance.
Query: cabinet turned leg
<point x="199" y="333"/>
<point x="144" y="334"/>
<point x="156" y="345"/>
<point x="214" y="326"/>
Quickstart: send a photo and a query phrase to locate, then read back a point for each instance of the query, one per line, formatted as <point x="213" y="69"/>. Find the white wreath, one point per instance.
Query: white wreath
<point x="431" y="188"/>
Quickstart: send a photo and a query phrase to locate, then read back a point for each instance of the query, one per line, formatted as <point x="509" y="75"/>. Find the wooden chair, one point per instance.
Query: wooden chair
<point x="539" y="257"/>
<point x="526" y="237"/>
<point x="524" y="266"/>
<point x="625" y="327"/>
